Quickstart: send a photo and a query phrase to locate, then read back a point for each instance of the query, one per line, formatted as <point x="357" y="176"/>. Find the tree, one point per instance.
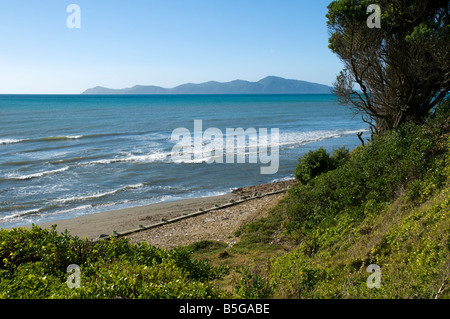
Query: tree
<point x="401" y="69"/>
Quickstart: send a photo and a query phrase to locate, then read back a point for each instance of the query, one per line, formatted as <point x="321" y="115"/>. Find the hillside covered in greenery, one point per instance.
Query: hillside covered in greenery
<point x="385" y="203"/>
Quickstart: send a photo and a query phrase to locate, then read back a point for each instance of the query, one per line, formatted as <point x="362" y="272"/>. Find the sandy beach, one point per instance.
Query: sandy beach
<point x="210" y="225"/>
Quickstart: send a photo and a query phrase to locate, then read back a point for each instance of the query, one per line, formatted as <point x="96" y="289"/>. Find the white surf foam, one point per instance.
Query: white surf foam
<point x="36" y="175"/>
<point x="98" y="195"/>
<point x="10" y="141"/>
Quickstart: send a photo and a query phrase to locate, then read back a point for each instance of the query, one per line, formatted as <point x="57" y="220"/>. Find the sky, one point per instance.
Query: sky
<point x="122" y="43"/>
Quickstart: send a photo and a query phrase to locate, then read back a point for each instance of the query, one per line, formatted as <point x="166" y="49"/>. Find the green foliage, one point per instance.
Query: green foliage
<point x="372" y="177"/>
<point x="205" y="245"/>
<point x="391" y="64"/>
<point x="253" y="285"/>
<point x="343" y="11"/>
<point x="295" y="275"/>
<point x="387" y="203"/>
<point x="260" y="232"/>
<point x="317" y="162"/>
<point x="20" y="246"/>
<point x="34" y="262"/>
<point x="411" y="246"/>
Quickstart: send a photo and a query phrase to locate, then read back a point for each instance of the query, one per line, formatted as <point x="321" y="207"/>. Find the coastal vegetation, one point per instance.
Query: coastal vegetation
<point x="34" y="265"/>
<point x="386" y="203"/>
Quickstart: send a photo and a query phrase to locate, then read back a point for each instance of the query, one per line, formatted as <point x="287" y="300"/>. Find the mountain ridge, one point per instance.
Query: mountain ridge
<point x="267" y="85"/>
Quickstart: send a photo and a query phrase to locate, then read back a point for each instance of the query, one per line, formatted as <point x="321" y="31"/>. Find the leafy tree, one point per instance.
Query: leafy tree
<point x="402" y="69"/>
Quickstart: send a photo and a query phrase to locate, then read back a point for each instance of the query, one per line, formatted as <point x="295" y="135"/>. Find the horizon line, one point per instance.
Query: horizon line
<point x="167" y="94"/>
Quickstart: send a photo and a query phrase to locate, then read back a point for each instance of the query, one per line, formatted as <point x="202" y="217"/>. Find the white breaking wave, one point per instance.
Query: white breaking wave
<point x="41" y="139"/>
<point x="160" y="156"/>
<point x="74" y="209"/>
<point x="282" y="179"/>
<point x="33" y="212"/>
<point x="300" y="138"/>
<point x="11" y="141"/>
<point x="98" y="195"/>
<point x="20" y="215"/>
<point x="58" y="138"/>
<point x="252" y="145"/>
<point x="40" y="174"/>
<point x="286" y="140"/>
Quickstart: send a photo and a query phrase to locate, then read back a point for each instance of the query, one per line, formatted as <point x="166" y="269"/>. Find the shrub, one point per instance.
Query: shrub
<point x="317" y="162"/>
<point x="312" y="164"/>
<point x="34" y="261"/>
<point x="253" y="285"/>
<point x="378" y="172"/>
<point x="294" y="274"/>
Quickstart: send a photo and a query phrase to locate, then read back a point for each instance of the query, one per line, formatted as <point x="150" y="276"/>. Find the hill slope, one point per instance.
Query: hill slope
<point x="387" y="204"/>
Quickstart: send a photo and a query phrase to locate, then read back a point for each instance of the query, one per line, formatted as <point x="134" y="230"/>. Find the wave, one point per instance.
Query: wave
<point x="99" y="195"/>
<point x="11" y="208"/>
<point x="302" y="138"/>
<point x="282" y="179"/>
<point x="81" y="160"/>
<point x="58" y="138"/>
<point x="20" y="215"/>
<point x="252" y="145"/>
<point x="41" y="139"/>
<point x="69" y="210"/>
<point x="159" y="156"/>
<point x="286" y="140"/>
<point x="68" y="160"/>
<point x="54" y="138"/>
<point x="59" y="204"/>
<point x="11" y="141"/>
<point x="18" y="163"/>
<point x="36" y="175"/>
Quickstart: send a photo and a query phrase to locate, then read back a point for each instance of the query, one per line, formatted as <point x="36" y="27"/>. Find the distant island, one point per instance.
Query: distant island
<point x="268" y="85"/>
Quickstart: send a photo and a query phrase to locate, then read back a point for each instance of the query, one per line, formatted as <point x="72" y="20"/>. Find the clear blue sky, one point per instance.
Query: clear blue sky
<point x="122" y="43"/>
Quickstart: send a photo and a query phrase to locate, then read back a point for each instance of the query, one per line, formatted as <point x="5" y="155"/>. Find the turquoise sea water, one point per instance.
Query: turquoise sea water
<point x="63" y="156"/>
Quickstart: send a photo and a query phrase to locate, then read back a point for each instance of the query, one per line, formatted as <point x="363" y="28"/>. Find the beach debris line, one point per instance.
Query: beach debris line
<point x="186" y="215"/>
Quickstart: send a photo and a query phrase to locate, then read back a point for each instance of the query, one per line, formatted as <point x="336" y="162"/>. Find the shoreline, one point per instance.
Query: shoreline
<point x="123" y="220"/>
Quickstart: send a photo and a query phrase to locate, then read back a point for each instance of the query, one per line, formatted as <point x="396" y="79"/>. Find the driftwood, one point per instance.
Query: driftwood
<point x="441" y="289"/>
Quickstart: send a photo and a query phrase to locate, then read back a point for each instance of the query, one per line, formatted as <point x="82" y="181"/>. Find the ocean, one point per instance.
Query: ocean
<point x="63" y="156"/>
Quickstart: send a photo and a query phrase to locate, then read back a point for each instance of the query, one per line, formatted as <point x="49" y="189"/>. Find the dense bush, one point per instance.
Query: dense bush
<point x="317" y="162"/>
<point x="387" y="204"/>
<point x="372" y="177"/>
<point x="33" y="264"/>
<point x="410" y="244"/>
